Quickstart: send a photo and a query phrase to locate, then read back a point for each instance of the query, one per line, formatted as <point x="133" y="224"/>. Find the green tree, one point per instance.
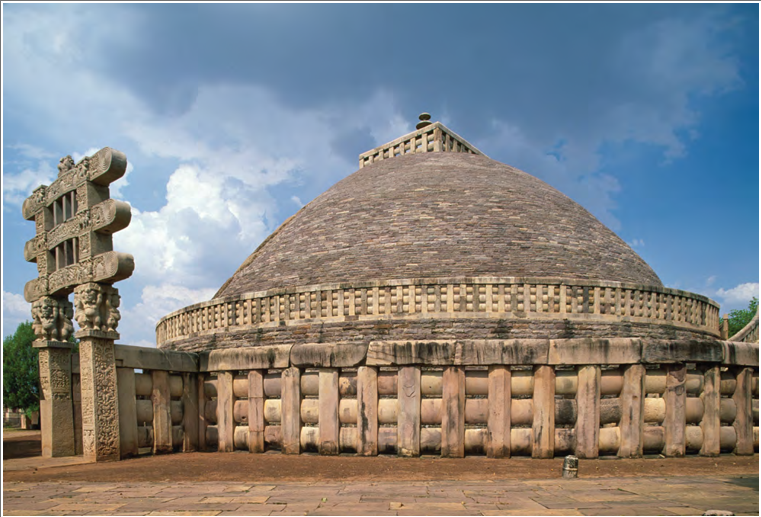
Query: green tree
<point x="20" y="370"/>
<point x="738" y="318"/>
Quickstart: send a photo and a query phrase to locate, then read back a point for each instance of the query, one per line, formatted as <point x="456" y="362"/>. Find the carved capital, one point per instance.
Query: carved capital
<point x="97" y="308"/>
<point x="52" y="318"/>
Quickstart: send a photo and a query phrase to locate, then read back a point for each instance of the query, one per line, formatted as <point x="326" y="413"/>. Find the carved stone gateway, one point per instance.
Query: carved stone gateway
<point x="73" y="249"/>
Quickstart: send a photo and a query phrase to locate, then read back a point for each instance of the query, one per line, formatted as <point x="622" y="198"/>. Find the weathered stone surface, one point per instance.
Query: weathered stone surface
<point x="543" y="427"/>
<point x="711" y="423"/>
<point x="511" y="351"/>
<point x="154" y="359"/>
<point x="743" y="354"/>
<point x="256" y="411"/>
<point x="633" y="412"/>
<point x="190" y="415"/>
<point x="679" y="351"/>
<point x="499" y="398"/>
<point x="367" y="417"/>
<point x="588" y="412"/>
<point x="125" y="383"/>
<point x="453" y="413"/>
<point x="328" y="409"/>
<point x="595" y="351"/>
<point x="56" y="404"/>
<point x="291" y="411"/>
<point x="408" y="426"/>
<point x="100" y="415"/>
<point x="743" y="423"/>
<point x="385" y="353"/>
<point x="162" y="417"/>
<point x="328" y="355"/>
<point x="259" y="358"/>
<point x="225" y="412"/>
<point x="676" y="417"/>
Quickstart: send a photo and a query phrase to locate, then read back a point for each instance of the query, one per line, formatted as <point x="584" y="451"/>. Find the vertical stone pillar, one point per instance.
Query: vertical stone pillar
<point x="201" y="390"/>
<point x="498" y="424"/>
<point x="162" y="412"/>
<point x="290" y="405"/>
<point x="711" y="422"/>
<point x="453" y="412"/>
<point x="225" y="407"/>
<point x="100" y="407"/>
<point x="125" y="382"/>
<point x="256" y="410"/>
<point x="367" y="411"/>
<point x="632" y="412"/>
<point x="588" y="412"/>
<point x="543" y="428"/>
<point x="743" y="423"/>
<point x="408" y="420"/>
<point x="328" y="410"/>
<point x="676" y="418"/>
<point x="56" y="405"/>
<point x="190" y="412"/>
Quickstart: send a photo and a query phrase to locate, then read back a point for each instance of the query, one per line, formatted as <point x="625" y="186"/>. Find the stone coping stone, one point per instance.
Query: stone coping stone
<point x="594" y="351"/>
<point x="48" y="343"/>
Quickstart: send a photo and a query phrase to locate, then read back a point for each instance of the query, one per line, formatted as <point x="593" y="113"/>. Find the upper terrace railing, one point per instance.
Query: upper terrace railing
<point x="537" y="298"/>
<point x="749" y="333"/>
<point x="435" y="137"/>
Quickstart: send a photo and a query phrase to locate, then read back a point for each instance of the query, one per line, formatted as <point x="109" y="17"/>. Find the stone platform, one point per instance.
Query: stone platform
<point x="600" y="496"/>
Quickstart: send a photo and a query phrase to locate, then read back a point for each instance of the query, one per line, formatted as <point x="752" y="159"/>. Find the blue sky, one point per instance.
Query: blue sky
<point x="234" y="116"/>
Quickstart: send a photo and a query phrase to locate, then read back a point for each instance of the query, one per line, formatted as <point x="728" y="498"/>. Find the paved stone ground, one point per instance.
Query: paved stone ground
<point x="595" y="496"/>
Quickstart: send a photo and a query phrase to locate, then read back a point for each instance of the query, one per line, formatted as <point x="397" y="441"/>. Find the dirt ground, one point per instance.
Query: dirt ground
<point x="275" y="467"/>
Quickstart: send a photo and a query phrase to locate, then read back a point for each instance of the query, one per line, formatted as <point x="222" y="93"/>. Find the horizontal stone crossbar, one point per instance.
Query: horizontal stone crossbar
<point x="445" y="353"/>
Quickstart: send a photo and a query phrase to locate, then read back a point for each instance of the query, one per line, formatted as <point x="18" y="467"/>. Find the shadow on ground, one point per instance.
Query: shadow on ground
<point x="21" y="444"/>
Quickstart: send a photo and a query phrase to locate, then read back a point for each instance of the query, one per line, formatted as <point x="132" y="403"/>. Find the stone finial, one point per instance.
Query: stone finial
<point x="425" y="120"/>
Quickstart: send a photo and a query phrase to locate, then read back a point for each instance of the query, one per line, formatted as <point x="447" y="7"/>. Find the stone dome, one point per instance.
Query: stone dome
<point x="435" y="215"/>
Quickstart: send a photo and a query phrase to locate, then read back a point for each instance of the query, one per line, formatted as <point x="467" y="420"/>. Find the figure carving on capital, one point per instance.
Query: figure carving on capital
<point x="65" y="164"/>
<point x="52" y="319"/>
<point x="97" y="307"/>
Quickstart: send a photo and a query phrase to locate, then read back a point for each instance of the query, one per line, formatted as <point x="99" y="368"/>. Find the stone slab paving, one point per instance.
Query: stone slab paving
<point x="593" y="496"/>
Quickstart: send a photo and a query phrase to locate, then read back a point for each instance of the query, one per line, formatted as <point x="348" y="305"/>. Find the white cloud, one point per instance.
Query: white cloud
<point x="710" y="280"/>
<point x="637" y="243"/>
<point x="298" y="201"/>
<point x="138" y="322"/>
<point x="740" y="294"/>
<point x="15" y="310"/>
<point x="18" y="187"/>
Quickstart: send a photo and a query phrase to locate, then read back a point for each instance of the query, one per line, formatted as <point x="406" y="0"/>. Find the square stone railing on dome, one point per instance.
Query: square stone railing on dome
<point x="433" y="138"/>
<point x="538" y="397"/>
<point x="497" y="298"/>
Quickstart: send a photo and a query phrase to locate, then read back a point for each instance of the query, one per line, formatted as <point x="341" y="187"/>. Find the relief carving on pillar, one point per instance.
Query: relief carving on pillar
<point x="52" y="318"/>
<point x="100" y="422"/>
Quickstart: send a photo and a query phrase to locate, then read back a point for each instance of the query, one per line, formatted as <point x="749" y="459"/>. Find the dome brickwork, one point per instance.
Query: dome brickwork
<point x="433" y="215"/>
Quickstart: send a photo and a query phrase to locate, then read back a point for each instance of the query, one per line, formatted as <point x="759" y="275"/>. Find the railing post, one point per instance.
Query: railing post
<point x="588" y="412"/>
<point x="743" y="423"/>
<point x="408" y="424"/>
<point x="543" y="428"/>
<point x="225" y="409"/>
<point x="676" y="419"/>
<point x="633" y="412"/>
<point x="711" y="421"/>
<point x="498" y="424"/>
<point x="290" y="400"/>
<point x="453" y="413"/>
<point x="256" y="410"/>
<point x="190" y="412"/>
<point x="367" y="411"/>
<point x="162" y="416"/>
<point x="125" y="384"/>
<point x="328" y="410"/>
